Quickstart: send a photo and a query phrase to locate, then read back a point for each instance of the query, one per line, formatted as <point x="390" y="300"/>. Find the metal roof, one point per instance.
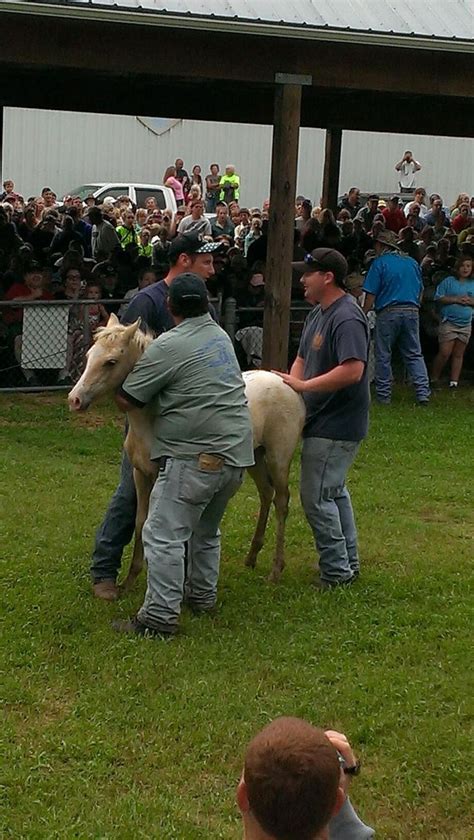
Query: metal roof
<point x="440" y="21"/>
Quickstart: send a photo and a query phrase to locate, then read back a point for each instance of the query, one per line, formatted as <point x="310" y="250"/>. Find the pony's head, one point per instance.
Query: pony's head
<point x="113" y="355"/>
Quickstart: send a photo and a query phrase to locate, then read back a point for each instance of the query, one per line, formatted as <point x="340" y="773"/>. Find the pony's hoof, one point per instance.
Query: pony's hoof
<point x="251" y="562"/>
<point x="274" y="576"/>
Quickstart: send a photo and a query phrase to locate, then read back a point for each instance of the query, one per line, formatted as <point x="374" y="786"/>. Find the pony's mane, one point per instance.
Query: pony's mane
<point x="109" y="335"/>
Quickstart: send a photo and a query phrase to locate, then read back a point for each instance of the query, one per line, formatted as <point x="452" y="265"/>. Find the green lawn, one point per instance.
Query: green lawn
<point x="114" y="737"/>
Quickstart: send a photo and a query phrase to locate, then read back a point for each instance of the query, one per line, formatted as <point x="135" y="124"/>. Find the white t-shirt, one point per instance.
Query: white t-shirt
<point x="406" y="174"/>
<point x="423" y="209"/>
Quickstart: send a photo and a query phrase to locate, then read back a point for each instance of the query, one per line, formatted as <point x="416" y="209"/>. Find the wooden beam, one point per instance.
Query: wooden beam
<point x="1" y="146"/>
<point x="286" y="130"/>
<point x="332" y="168"/>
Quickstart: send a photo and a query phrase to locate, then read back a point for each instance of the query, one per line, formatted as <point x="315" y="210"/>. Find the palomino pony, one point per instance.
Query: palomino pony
<point x="277" y="414"/>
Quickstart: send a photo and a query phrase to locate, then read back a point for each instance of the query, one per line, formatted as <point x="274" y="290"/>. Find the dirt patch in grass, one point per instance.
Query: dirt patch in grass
<point x="435" y="515"/>
<point x="48" y="712"/>
<point x="89" y="420"/>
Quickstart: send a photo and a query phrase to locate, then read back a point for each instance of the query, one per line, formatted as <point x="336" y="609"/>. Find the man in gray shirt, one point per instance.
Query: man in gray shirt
<point x="202" y="441"/>
<point x="104" y="236"/>
<point x="196" y="223"/>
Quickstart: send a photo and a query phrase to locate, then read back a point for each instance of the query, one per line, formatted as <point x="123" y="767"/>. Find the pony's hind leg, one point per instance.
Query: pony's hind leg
<point x="281" y="502"/>
<point x="260" y="476"/>
<point x="144" y="485"/>
<point x="278" y="470"/>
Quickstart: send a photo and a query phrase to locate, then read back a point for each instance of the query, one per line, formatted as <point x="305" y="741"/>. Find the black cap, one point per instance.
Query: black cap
<point x="103" y="269"/>
<point x="191" y="243"/>
<point x="323" y="259"/>
<point x="187" y="286"/>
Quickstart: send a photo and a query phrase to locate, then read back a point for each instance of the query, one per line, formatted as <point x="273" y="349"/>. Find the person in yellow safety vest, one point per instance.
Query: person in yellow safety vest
<point x="229" y="184"/>
<point x="126" y="231"/>
<point x="145" y="248"/>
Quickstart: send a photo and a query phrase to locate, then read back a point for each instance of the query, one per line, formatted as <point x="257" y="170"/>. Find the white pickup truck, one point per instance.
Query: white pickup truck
<point x="138" y="193"/>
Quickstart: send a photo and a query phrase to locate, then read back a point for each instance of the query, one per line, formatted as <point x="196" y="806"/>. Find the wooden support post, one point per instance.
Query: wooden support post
<point x="1" y="145"/>
<point x="332" y="167"/>
<point x="276" y="322"/>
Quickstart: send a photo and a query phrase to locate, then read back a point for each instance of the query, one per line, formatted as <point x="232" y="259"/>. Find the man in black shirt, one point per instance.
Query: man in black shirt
<point x="187" y="252"/>
<point x="330" y="371"/>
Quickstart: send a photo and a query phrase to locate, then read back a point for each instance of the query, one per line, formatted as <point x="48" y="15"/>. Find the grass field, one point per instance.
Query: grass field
<point x="114" y="737"/>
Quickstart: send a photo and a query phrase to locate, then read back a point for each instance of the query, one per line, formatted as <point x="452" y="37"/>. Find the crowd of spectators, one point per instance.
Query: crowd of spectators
<point x="74" y="250"/>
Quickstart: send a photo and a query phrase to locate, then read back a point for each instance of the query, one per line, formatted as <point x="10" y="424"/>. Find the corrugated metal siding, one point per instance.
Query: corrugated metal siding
<point x="65" y="149"/>
<point x="442" y="19"/>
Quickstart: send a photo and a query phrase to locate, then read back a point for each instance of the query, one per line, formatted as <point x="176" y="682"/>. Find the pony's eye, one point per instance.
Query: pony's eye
<point x="110" y="362"/>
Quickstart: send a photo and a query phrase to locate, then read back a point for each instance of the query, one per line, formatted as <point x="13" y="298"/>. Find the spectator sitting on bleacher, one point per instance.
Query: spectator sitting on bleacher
<point x="9" y="239"/>
<point x="146" y="277"/>
<point x="76" y="349"/>
<point x="95" y="313"/>
<point x="106" y="274"/>
<point x="31" y="288"/>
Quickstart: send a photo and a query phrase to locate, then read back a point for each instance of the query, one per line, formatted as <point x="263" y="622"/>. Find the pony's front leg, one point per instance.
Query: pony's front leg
<point x="144" y="485"/>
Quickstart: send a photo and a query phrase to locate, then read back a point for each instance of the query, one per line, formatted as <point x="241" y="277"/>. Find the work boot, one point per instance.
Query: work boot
<point x="326" y="585"/>
<point x="135" y="627"/>
<point x="106" y="589"/>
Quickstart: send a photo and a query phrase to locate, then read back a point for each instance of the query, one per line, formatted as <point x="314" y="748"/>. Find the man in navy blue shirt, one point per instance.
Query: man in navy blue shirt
<point x="330" y="371"/>
<point x="188" y="252"/>
<point x="393" y="286"/>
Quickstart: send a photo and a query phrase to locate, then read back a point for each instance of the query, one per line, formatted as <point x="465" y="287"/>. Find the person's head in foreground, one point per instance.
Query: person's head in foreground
<point x="187" y="297"/>
<point x="290" y="785"/>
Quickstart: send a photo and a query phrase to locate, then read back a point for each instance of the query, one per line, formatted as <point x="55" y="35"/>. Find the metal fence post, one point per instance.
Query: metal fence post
<point x="230" y="317"/>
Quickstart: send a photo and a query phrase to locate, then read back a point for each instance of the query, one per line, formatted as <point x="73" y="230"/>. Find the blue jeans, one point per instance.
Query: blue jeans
<point x="211" y="203"/>
<point x="186" y="503"/>
<point x="327" y="505"/>
<point x="117" y="528"/>
<point x="399" y="326"/>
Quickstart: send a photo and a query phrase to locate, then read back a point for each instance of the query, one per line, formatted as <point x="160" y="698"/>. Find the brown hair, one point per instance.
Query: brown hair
<point x="169" y="173"/>
<point x="291" y="773"/>
<point x="462" y="259"/>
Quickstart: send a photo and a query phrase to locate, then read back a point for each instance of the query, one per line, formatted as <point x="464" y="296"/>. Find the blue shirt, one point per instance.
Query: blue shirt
<point x="458" y="313"/>
<point x="151" y="305"/>
<point x="394" y="279"/>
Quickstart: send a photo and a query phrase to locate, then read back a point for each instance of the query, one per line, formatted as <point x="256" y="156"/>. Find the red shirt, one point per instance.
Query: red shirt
<point x="394" y="219"/>
<point x="459" y="222"/>
<point x="12" y="315"/>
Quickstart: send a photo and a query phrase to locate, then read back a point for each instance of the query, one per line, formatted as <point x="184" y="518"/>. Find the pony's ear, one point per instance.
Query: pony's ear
<point x="131" y="330"/>
<point x="113" y="320"/>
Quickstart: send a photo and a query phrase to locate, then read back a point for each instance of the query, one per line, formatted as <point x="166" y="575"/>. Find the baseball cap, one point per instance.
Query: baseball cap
<point x="51" y="216"/>
<point x="323" y="259"/>
<point x="104" y="269"/>
<point x="388" y="237"/>
<point x="187" y="286"/>
<point x="191" y="243"/>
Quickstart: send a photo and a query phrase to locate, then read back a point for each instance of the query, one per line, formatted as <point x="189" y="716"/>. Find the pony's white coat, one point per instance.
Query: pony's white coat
<point x="277" y="414"/>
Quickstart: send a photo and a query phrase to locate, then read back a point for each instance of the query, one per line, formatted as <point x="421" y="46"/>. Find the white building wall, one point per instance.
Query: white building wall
<point x="65" y="149"/>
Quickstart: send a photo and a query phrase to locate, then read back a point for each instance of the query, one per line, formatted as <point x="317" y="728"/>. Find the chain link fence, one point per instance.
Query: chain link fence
<point x="43" y="344"/>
